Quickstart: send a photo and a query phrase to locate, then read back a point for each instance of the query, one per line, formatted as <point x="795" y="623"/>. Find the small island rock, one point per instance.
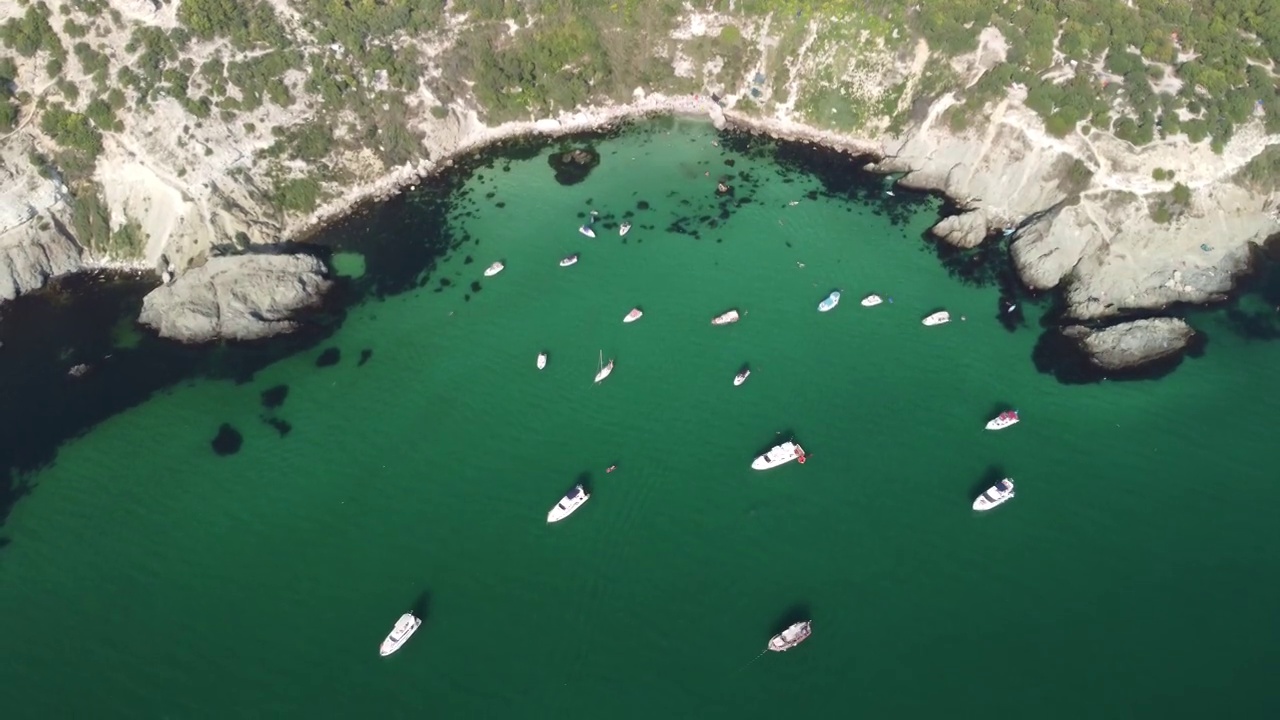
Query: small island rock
<point x="1128" y="345"/>
<point x="241" y="297"/>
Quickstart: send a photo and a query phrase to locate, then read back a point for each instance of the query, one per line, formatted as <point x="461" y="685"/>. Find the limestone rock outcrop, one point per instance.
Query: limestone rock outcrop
<point x="1131" y="345"/>
<point x="241" y="297"/>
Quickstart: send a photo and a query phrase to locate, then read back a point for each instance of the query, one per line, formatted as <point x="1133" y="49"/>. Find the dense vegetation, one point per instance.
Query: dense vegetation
<point x="1141" y="69"/>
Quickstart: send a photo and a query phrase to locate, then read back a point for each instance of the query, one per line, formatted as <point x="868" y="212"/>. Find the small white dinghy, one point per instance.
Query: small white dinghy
<point x="405" y="627"/>
<point x="624" y="228"/>
<point x="725" y="318"/>
<point x="571" y="501"/>
<point x="493" y="269"/>
<point x="586" y="230"/>
<point x="571" y="260"/>
<point x="791" y="637"/>
<point x="634" y="315"/>
<point x="604" y="370"/>
<point x="542" y="360"/>
<point x="871" y="300"/>
<point x="938" y="318"/>
<point x="741" y="377"/>
<point x="1003" y="420"/>
<point x="829" y="302"/>
<point x="997" y="494"/>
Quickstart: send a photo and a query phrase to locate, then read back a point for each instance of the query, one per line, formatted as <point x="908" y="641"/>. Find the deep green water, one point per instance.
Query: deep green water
<point x="1134" y="576"/>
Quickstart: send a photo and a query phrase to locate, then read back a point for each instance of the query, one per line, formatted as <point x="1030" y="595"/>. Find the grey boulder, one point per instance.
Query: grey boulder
<point x="241" y="297"/>
<point x="1128" y="345"/>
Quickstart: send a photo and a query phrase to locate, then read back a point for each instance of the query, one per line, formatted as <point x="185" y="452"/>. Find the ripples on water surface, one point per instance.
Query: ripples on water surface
<point x="1133" y="576"/>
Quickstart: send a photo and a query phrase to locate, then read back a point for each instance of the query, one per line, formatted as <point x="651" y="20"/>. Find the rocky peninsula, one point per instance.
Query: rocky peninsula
<point x="1134" y="170"/>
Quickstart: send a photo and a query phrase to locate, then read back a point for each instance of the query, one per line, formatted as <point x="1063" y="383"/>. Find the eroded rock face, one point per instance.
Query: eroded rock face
<point x="29" y="256"/>
<point x="242" y="297"/>
<point x="1131" y="345"/>
<point x="966" y="230"/>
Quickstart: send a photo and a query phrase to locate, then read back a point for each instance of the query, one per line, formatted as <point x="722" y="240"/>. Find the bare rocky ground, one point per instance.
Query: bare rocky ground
<point x="1082" y="205"/>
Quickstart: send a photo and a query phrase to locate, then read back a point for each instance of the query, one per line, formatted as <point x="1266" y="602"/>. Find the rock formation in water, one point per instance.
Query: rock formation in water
<point x="241" y="297"/>
<point x="1136" y="180"/>
<point x="1131" y="345"/>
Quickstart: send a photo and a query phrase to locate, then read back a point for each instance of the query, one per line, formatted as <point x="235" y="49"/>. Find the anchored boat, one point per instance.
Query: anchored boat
<point x="791" y="637"/>
<point x="997" y="494"/>
<point x="725" y="318"/>
<point x="542" y="360"/>
<point x="1003" y="420"/>
<point x="586" y="230"/>
<point x="741" y="377"/>
<point x="571" y="501"/>
<point x="493" y="269"/>
<point x="829" y="301"/>
<point x="405" y="627"/>
<point x="624" y="228"/>
<point x="604" y="370"/>
<point x="779" y="455"/>
<point x="634" y="315"/>
<point x="871" y="300"/>
<point x="571" y="260"/>
<point x="938" y="318"/>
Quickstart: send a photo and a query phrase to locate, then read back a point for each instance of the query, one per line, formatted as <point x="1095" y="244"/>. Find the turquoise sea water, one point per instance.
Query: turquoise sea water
<point x="1134" y="576"/>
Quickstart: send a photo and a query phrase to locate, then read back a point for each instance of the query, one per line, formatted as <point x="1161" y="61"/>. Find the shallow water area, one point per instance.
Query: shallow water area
<point x="411" y="460"/>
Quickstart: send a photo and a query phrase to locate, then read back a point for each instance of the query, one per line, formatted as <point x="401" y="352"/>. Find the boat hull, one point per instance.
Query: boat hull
<point x="633" y="316"/>
<point x="571" y="260"/>
<point x="871" y="301"/>
<point x="624" y="229"/>
<point x="741" y="378"/>
<point x="604" y="372"/>
<point x="568" y="504"/>
<point x="587" y="231"/>
<point x="938" y="318"/>
<point x="791" y="637"/>
<point x="493" y="269"/>
<point x="542" y="361"/>
<point x="779" y="455"/>
<point x="725" y="319"/>
<point x="994" y="497"/>
<point x="1001" y="423"/>
<point x="404" y="629"/>
<point x="829" y="303"/>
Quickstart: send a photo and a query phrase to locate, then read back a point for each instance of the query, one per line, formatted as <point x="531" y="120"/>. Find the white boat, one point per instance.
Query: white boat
<point x="997" y="494"/>
<point x="725" y="318"/>
<point x="634" y="315"/>
<point x="571" y="501"/>
<point x="624" y="228"/>
<point x="938" y="318"/>
<point x="791" y="637"/>
<point x="586" y="230"/>
<point x="829" y="301"/>
<point x="493" y="269"/>
<point x="571" y="260"/>
<point x="542" y="360"/>
<point x="871" y="301"/>
<point x="779" y="455"/>
<point x="405" y="627"/>
<point x="1003" y="420"/>
<point x="604" y="370"/>
<point x="741" y="377"/>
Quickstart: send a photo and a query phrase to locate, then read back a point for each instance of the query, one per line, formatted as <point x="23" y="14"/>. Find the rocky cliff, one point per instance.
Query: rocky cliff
<point x="197" y="129"/>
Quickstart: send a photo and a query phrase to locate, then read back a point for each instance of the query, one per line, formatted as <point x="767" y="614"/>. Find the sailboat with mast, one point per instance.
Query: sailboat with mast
<point x="604" y="370"/>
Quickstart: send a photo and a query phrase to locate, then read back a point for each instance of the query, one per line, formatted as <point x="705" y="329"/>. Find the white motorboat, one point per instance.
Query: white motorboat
<point x="624" y="228"/>
<point x="725" y="318"/>
<point x="634" y="315"/>
<point x="571" y="501"/>
<point x="871" y="300"/>
<point x="741" y="377"/>
<point x="604" y="370"/>
<point x="1003" y="420"/>
<point x="493" y="269"/>
<point x="586" y="230"/>
<point x="779" y="455"/>
<point x="542" y="360"/>
<point x="829" y="301"/>
<point x="938" y="318"/>
<point x="997" y="494"/>
<point x="791" y="637"/>
<point x="405" y="627"/>
<point x="571" y="260"/>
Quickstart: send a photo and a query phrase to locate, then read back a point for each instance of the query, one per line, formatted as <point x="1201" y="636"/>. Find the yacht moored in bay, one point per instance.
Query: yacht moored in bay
<point x="404" y="628"/>
<point x="791" y="637"/>
<point x="779" y="455"/>
<point x="571" y="501"/>
<point x="998" y="494"/>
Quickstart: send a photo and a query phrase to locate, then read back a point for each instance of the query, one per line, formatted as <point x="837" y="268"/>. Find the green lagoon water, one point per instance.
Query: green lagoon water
<point x="1135" y="575"/>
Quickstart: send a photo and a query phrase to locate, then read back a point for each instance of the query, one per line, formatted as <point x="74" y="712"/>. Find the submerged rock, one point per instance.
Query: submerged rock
<point x="227" y="441"/>
<point x="1130" y="345"/>
<point x="241" y="297"/>
<point x="573" y="166"/>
